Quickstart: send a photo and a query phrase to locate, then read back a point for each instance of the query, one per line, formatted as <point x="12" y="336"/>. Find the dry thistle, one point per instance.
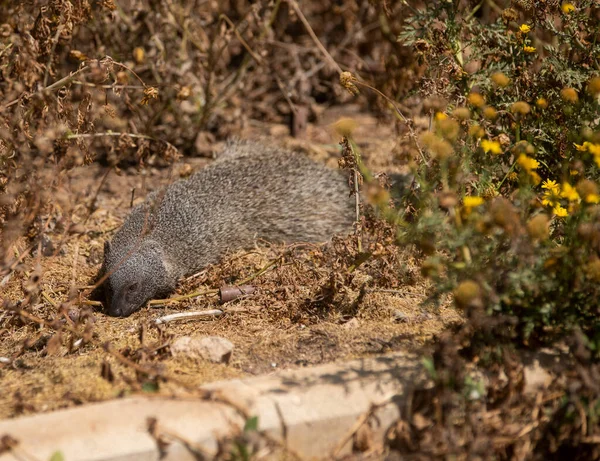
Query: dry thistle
<point x="347" y="80"/>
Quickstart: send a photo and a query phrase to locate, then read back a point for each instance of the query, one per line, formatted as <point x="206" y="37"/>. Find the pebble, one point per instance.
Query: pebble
<point x="212" y="348"/>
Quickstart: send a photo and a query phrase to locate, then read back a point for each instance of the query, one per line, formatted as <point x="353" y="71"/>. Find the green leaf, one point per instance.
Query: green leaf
<point x="251" y="424"/>
<point x="429" y="367"/>
<point x="57" y="456"/>
<point x="150" y="386"/>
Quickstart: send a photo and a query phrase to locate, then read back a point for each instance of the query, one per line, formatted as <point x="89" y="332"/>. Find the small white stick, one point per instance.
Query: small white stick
<point x="188" y="316"/>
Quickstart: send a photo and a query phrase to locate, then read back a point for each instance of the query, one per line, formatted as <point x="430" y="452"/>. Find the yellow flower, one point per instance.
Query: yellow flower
<point x="594" y="86"/>
<point x="569" y="95"/>
<point x="559" y="211"/>
<point x="592" y="198"/>
<point x="472" y="201"/>
<point x="582" y="147"/>
<point x="551" y="198"/>
<point x="491" y="146"/>
<point x="569" y="192"/>
<point x="461" y="113"/>
<point x="550" y="184"/>
<point x="520" y="107"/>
<point x="528" y="49"/>
<point x="440" y="116"/>
<point x="500" y="79"/>
<point x="593" y="148"/>
<point x="476" y="99"/>
<point x="542" y="103"/>
<point x="438" y="147"/>
<point x="525" y="28"/>
<point x="597" y="160"/>
<point x="490" y="113"/>
<point x="527" y="163"/>
<point x="535" y="177"/>
<point x="567" y="8"/>
<point x="476" y="131"/>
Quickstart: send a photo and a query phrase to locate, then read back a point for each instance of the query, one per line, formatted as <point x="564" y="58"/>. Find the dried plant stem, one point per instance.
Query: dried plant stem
<point x="176" y="299"/>
<point x="58" y="84"/>
<point x="359" y="423"/>
<point x="159" y="434"/>
<point x="260" y="272"/>
<point x="241" y="71"/>
<point x="130" y="70"/>
<point x="92" y="303"/>
<point x="256" y="57"/>
<point x="406" y="121"/>
<point x="109" y="87"/>
<point x="110" y="133"/>
<point x="356" y="173"/>
<point x="59" y="30"/>
<point x="48" y="299"/>
<point x="211" y="292"/>
<point x="313" y="36"/>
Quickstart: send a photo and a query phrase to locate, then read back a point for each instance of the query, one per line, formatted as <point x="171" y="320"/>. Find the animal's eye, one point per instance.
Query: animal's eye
<point x="133" y="287"/>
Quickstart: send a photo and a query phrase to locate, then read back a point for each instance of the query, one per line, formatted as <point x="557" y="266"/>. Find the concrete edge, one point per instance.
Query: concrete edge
<point x="315" y="407"/>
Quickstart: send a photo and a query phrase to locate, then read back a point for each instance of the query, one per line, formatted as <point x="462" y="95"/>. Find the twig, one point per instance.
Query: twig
<point x="385" y="290"/>
<point x="58" y="84"/>
<point x="241" y="39"/>
<point x="188" y="316"/>
<point x="159" y="434"/>
<point x="362" y="419"/>
<point x="92" y="303"/>
<point x="356" y="194"/>
<point x="195" y="294"/>
<point x="59" y="30"/>
<point x="239" y="73"/>
<point x="110" y="133"/>
<point x="406" y="121"/>
<point x="48" y="299"/>
<point x="130" y="70"/>
<point x="108" y="347"/>
<point x="108" y="87"/>
<point x="313" y="36"/>
<point x="260" y="272"/>
<point x="90" y="208"/>
<point x="176" y="299"/>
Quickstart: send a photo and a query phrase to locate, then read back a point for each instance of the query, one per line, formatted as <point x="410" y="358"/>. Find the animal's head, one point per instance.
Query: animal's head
<point x="133" y="278"/>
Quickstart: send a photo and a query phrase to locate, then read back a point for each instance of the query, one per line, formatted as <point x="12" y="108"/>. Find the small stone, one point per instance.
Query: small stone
<point x="536" y="378"/>
<point x="351" y="324"/>
<point x="400" y="317"/>
<point x="74" y="314"/>
<point x="212" y="348"/>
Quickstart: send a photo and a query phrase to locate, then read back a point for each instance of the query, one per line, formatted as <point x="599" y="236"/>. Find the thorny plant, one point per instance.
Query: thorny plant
<point x="507" y="219"/>
<point x="507" y="209"/>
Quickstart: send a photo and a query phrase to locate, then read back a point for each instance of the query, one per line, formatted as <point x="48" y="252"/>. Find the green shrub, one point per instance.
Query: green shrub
<point x="508" y="210"/>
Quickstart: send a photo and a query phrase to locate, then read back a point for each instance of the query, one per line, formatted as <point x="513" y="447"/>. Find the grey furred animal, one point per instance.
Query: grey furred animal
<point x="252" y="192"/>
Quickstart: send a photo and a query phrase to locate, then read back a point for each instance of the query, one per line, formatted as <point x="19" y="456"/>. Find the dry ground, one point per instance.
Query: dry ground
<point x="308" y="309"/>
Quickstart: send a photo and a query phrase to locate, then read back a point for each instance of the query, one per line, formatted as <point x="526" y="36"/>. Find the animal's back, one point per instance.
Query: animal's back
<point x="253" y="193"/>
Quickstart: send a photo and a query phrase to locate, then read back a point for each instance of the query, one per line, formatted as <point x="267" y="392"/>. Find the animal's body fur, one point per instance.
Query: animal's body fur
<point x="253" y="192"/>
